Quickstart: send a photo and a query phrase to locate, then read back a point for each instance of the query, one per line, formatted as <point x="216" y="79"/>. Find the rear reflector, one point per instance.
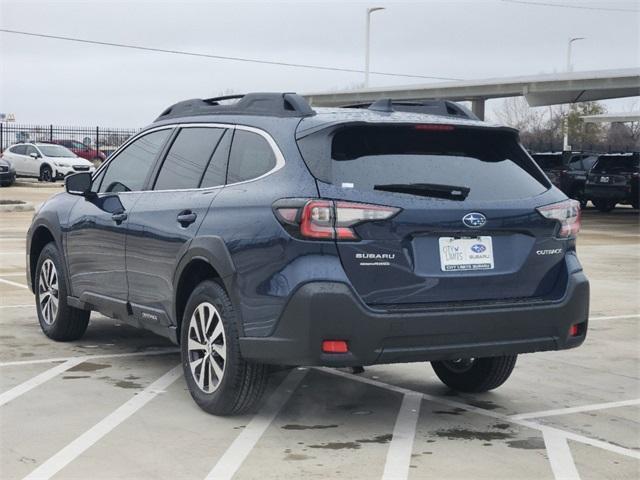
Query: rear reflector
<point x="566" y="213"/>
<point x="573" y="330"/>
<point x="334" y="346"/>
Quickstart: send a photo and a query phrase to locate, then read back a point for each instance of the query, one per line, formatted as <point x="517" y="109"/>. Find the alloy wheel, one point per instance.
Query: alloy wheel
<point x="207" y="347"/>
<point x="48" y="293"/>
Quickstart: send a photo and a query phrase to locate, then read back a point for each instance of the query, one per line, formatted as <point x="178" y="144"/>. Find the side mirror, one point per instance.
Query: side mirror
<point x="79" y="184"/>
<point x="34" y="155"/>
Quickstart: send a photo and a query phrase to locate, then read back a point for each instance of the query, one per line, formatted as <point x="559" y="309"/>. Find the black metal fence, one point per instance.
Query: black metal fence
<point x="99" y="138"/>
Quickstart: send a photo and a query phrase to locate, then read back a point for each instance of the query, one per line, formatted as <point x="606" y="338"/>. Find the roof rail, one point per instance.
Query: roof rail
<point x="433" y="107"/>
<point x="274" y="104"/>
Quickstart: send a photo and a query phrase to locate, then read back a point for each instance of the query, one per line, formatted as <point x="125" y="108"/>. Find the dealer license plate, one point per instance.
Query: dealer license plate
<point x="466" y="253"/>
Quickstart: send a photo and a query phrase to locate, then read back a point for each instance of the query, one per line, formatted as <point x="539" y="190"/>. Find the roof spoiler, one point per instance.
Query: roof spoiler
<point x="274" y="104"/>
<point x="445" y="108"/>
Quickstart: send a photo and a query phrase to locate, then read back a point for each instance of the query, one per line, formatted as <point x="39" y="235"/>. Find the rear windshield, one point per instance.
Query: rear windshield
<point x="617" y="163"/>
<point x="486" y="164"/>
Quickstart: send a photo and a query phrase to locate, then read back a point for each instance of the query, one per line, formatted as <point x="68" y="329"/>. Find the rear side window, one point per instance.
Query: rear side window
<point x="129" y="170"/>
<point x="548" y="162"/>
<point x="488" y="164"/>
<point x="251" y="156"/>
<point x="19" y="149"/>
<point x="188" y="158"/>
<point x="618" y="163"/>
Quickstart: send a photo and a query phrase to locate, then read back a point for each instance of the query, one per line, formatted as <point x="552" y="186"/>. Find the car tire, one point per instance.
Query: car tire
<point x="58" y="320"/>
<point x="46" y="174"/>
<point x="210" y="348"/>
<point x="476" y="374"/>
<point x="604" y="205"/>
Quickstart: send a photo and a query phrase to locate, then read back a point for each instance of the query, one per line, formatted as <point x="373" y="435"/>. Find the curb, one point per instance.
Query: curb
<point x="22" y="183"/>
<point x="18" y="207"/>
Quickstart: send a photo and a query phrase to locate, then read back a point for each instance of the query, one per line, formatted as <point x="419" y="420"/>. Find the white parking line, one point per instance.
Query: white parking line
<point x="398" y="460"/>
<point x="617" y="317"/>
<point x="583" y="408"/>
<point x="18" y="306"/>
<point x="91" y="357"/>
<point x="38" y="380"/>
<point x="74" y="449"/>
<point x="15" y="284"/>
<point x="13" y="253"/>
<point x="238" y="451"/>
<point x="560" y="457"/>
<point x="489" y="413"/>
<point x="13" y="274"/>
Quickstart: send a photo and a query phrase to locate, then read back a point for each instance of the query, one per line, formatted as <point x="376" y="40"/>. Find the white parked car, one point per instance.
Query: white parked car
<point x="46" y="161"/>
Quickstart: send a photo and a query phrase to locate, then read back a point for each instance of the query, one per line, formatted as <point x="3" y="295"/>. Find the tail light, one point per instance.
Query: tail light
<point x="567" y="214"/>
<point x="328" y="219"/>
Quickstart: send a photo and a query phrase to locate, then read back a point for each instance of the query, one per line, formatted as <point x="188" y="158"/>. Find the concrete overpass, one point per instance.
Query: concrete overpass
<point x="539" y="90"/>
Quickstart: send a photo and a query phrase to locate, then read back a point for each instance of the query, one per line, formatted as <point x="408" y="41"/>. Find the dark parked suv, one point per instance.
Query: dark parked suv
<point x="614" y="179"/>
<point x="266" y="232"/>
<point x="568" y="171"/>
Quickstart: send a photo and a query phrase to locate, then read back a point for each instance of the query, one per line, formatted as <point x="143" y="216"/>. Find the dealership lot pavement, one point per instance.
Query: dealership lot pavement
<point x="114" y="405"/>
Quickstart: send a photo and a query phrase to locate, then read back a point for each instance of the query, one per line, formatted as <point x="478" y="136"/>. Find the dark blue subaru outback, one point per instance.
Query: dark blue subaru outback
<point x="262" y="231"/>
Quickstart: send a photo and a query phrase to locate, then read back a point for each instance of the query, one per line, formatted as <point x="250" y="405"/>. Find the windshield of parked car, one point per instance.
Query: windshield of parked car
<point x="427" y="160"/>
<point x="57" y="151"/>
<point x="617" y="163"/>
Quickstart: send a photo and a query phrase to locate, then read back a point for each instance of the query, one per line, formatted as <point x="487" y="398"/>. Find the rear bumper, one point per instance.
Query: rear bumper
<point x="609" y="192"/>
<point x="331" y="311"/>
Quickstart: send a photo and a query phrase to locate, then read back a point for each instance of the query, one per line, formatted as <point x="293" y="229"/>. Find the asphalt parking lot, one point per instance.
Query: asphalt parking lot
<point x="114" y="405"/>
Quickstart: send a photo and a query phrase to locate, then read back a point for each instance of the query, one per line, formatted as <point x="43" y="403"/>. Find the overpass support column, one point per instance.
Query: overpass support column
<point x="477" y="107"/>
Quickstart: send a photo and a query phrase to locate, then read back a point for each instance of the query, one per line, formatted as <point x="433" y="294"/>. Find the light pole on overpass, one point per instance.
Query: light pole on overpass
<point x="366" y="40"/>
<point x="565" y="142"/>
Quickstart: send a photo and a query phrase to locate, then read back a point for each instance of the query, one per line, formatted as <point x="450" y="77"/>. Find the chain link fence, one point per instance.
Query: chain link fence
<point x="97" y="138"/>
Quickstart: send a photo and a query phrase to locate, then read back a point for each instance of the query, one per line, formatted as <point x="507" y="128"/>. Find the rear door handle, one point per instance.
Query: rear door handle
<point x="119" y="217"/>
<point x="186" y="218"/>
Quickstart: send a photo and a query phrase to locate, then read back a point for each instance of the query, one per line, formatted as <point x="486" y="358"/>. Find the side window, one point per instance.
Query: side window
<point x="188" y="157"/>
<point x="575" y="163"/>
<point x="128" y="171"/>
<point x="19" y="149"/>
<point x="250" y="157"/>
<point x="31" y="149"/>
<point x="217" y="169"/>
<point x="588" y="162"/>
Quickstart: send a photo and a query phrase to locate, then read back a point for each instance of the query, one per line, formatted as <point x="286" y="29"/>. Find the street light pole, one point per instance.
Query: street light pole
<point x="565" y="141"/>
<point x="366" y="43"/>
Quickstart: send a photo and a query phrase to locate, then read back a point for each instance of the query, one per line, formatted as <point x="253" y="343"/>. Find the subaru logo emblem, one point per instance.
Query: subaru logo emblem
<point x="474" y="220"/>
<point x="478" y="248"/>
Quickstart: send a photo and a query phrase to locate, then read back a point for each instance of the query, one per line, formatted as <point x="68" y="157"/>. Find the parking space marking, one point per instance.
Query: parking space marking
<point x="74" y="449"/>
<point x="560" y="457"/>
<point x="84" y="358"/>
<point x="238" y="451"/>
<point x="38" y="380"/>
<point x="12" y="253"/>
<point x="489" y="413"/>
<point x="617" y="317"/>
<point x="13" y="274"/>
<point x="398" y="460"/>
<point x="583" y="408"/>
<point x="15" y="284"/>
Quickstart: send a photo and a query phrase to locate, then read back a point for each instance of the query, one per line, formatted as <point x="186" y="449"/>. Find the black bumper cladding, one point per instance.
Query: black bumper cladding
<point x="331" y="311"/>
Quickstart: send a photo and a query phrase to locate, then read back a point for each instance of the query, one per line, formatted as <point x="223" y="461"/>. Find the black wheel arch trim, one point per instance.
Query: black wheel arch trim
<point x="212" y="250"/>
<point x="52" y="225"/>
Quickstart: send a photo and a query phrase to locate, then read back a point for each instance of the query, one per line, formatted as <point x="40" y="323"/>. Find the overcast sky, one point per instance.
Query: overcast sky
<point x="54" y="81"/>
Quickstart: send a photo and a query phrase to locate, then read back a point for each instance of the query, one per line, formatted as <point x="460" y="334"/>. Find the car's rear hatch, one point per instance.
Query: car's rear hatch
<point x="614" y="170"/>
<point x="467" y="229"/>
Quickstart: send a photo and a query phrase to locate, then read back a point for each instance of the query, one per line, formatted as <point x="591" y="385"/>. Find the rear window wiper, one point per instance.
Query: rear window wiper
<point x="450" y="192"/>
